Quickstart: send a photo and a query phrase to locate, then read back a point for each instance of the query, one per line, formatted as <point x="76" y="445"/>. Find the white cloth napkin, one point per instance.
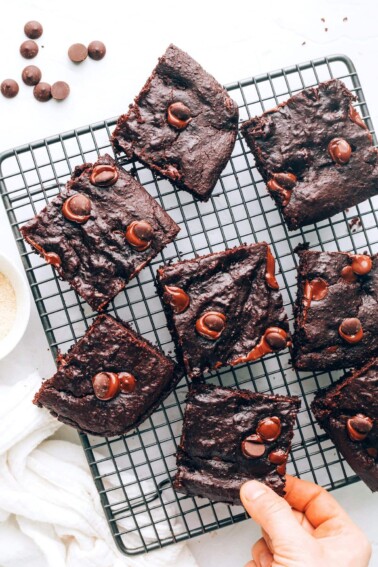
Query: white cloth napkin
<point x="50" y="512"/>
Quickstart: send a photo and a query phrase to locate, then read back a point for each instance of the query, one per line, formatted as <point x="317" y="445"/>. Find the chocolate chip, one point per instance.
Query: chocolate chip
<point x="139" y="235"/>
<point x="351" y="330"/>
<point x="77" y="208"/>
<point x="359" y="426"/>
<point x="275" y="340"/>
<point x="105" y="385"/>
<point x="42" y="92"/>
<point x="178" y="115"/>
<point x="31" y="75"/>
<point x="269" y="428"/>
<point x="253" y="447"/>
<point x="361" y="264"/>
<point x="355" y="117"/>
<point x="29" y="49"/>
<point x="104" y="175"/>
<point x="286" y="180"/>
<point x="278" y="457"/>
<point x="270" y="273"/>
<point x="348" y="274"/>
<point x="281" y="469"/>
<point x="9" y="88"/>
<point x="127" y="382"/>
<point x="176" y="297"/>
<point x="319" y="289"/>
<point x="96" y="50"/>
<point x="339" y="150"/>
<point x="60" y="90"/>
<point x="77" y="52"/>
<point x="211" y="325"/>
<point x="33" y="29"/>
<point x="53" y="259"/>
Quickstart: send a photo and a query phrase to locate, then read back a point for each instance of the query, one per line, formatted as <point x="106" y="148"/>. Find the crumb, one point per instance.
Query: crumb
<point x="304" y="43"/>
<point x="323" y="20"/>
<point x="325" y="29"/>
<point x="345" y="19"/>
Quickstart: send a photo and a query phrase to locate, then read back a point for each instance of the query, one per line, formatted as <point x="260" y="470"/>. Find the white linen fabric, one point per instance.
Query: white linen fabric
<point x="50" y="511"/>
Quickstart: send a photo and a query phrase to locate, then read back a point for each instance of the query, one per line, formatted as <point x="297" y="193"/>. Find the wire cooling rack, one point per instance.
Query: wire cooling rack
<point x="133" y="473"/>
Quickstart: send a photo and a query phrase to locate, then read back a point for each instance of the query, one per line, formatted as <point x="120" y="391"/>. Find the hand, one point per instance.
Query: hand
<point x="306" y="529"/>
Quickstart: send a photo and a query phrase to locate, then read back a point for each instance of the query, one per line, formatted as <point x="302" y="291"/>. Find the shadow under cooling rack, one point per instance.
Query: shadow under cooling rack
<point x="133" y="473"/>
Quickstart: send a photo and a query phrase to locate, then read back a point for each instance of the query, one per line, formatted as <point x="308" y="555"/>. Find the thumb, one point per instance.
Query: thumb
<point x="272" y="513"/>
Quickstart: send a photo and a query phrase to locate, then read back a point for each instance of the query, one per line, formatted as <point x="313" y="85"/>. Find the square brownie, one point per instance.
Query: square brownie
<point x="315" y="153"/>
<point x="109" y="382"/>
<point x="183" y="124"/>
<point x="336" y="311"/>
<point x="100" y="231"/>
<point x="224" y="308"/>
<point x="231" y="436"/>
<point x="348" y="412"/>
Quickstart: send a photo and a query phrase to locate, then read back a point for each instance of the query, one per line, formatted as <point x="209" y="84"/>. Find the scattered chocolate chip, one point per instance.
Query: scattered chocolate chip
<point x="42" y="92"/>
<point x="178" y="115"/>
<point x="104" y="175"/>
<point x="351" y="330"/>
<point x="77" y="208"/>
<point x="105" y="385"/>
<point x="9" y="88"/>
<point x="211" y="325"/>
<point x="253" y="447"/>
<point x="176" y="297"/>
<point x="269" y="428"/>
<point x="339" y="150"/>
<point x="359" y="427"/>
<point x="29" y="49"/>
<point x="276" y="340"/>
<point x="278" y="457"/>
<point x="31" y="75"/>
<point x="127" y="382"/>
<point x="53" y="259"/>
<point x="96" y="50"/>
<point x="77" y="52"/>
<point x="361" y="264"/>
<point x="33" y="29"/>
<point x="60" y="90"/>
<point x="139" y="235"/>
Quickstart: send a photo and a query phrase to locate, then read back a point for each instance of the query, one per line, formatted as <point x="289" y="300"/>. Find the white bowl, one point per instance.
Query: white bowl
<point x="18" y="281"/>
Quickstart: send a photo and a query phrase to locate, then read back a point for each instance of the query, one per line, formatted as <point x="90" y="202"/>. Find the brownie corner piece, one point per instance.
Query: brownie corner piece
<point x="348" y="412"/>
<point x="232" y="436"/>
<point x="100" y="231"/>
<point x="315" y="153"/>
<point x="110" y="381"/>
<point x="183" y="124"/>
<point x="224" y="308"/>
<point x="336" y="310"/>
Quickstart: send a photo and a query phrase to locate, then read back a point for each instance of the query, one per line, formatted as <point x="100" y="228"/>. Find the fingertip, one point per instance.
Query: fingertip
<point x="252" y="490"/>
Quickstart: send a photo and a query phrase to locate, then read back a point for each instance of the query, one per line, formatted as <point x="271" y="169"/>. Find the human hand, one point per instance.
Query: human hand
<point x="306" y="529"/>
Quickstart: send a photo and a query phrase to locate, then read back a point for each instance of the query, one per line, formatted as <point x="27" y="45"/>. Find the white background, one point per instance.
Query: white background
<point x="232" y="39"/>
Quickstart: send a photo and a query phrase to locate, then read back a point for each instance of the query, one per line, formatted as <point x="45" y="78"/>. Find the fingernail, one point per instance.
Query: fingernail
<point x="252" y="490"/>
<point x="265" y="559"/>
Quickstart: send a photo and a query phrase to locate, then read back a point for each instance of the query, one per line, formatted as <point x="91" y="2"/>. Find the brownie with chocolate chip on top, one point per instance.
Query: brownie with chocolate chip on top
<point x="110" y="381"/>
<point x="224" y="308"/>
<point x="100" y="231"/>
<point x="183" y="124"/>
<point x="336" y="311"/>
<point x="315" y="153"/>
<point x="232" y="436"/>
<point x="348" y="412"/>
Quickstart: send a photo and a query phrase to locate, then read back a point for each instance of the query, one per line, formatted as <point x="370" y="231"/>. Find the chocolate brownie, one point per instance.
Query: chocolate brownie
<point x="315" y="153"/>
<point x="231" y="436"/>
<point x="224" y="308"/>
<point x="336" y="311"/>
<point x="109" y="382"/>
<point x="183" y="124"/>
<point x="100" y="231"/>
<point x="348" y="412"/>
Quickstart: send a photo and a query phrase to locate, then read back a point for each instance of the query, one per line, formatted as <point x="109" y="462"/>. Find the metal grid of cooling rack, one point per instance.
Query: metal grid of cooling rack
<point x="133" y="472"/>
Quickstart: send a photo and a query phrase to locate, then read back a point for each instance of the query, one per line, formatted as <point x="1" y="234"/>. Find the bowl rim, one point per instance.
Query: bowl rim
<point x="16" y="276"/>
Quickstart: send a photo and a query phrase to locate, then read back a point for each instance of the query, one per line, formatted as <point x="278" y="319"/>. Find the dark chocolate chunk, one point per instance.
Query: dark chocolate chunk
<point x="29" y="49"/>
<point x="9" y="88"/>
<point x="96" y="50"/>
<point x="31" y="75"/>
<point x="33" y="29"/>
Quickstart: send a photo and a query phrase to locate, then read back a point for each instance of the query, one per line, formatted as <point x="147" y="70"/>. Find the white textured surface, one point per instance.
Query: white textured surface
<point x="232" y="40"/>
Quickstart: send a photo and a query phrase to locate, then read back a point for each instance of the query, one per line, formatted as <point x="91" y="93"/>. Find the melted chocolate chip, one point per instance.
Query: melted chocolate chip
<point x="339" y="150"/>
<point x="355" y="117"/>
<point x="359" y="426"/>
<point x="253" y="447"/>
<point x="269" y="428"/>
<point x="211" y="325"/>
<point x="178" y="115"/>
<point x="33" y="29"/>
<point x="53" y="259"/>
<point x="263" y="347"/>
<point x="29" y="49"/>
<point x="319" y="289"/>
<point x="348" y="274"/>
<point x="104" y="175"/>
<point x="105" y="385"/>
<point x="127" y="382"/>
<point x="286" y="180"/>
<point x="177" y="298"/>
<point x="270" y="270"/>
<point x="361" y="264"/>
<point x="283" y="192"/>
<point x="77" y="208"/>
<point x="139" y="235"/>
<point x="351" y="330"/>
<point x="276" y="340"/>
<point x="278" y="457"/>
<point x="281" y="469"/>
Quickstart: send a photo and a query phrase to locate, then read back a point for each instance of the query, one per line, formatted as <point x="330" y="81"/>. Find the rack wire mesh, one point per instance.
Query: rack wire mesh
<point x="133" y="472"/>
